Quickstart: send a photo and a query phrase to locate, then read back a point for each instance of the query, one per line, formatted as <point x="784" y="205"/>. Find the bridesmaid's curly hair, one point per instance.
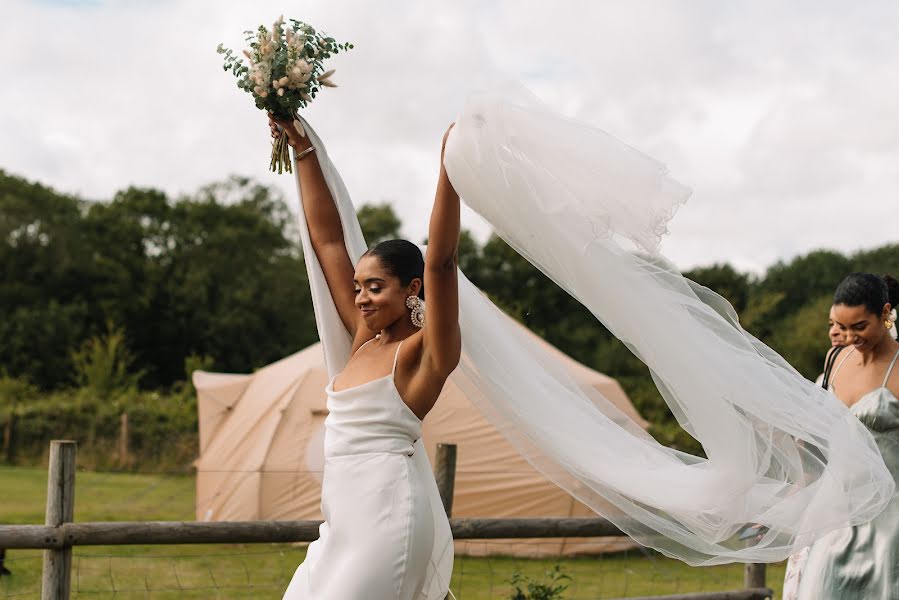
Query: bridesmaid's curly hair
<point x="402" y="259"/>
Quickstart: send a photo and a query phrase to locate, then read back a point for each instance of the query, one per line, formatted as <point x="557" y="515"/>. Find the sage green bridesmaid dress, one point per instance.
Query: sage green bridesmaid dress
<point x="862" y="562"/>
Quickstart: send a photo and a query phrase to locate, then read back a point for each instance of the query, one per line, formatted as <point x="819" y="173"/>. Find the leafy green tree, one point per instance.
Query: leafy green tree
<point x="800" y="281"/>
<point x="38" y="338"/>
<point x="104" y="366"/>
<point x="215" y="274"/>
<point x="227" y="282"/>
<point x="469" y="252"/>
<point x="378" y="222"/>
<point x="526" y="294"/>
<point x="884" y="259"/>
<point x="216" y="280"/>
<point x="802" y="338"/>
<point x="760" y="315"/>
<point x="726" y="281"/>
<point x="43" y="263"/>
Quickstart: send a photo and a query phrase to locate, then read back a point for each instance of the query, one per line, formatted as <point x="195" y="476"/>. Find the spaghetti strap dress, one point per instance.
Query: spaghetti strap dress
<point x="862" y="562"/>
<point x="385" y="535"/>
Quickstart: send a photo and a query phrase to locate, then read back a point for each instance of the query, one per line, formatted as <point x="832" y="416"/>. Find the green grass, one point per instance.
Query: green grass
<point x="262" y="571"/>
<point x="99" y="496"/>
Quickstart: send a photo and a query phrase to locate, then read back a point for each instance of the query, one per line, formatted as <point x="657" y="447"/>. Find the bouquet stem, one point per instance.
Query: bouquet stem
<point x="281" y="155"/>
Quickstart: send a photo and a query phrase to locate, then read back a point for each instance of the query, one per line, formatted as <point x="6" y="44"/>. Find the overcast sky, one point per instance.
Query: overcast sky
<point x="782" y="117"/>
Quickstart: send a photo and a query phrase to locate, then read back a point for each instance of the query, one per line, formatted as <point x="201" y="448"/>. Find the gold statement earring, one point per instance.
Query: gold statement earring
<point x="418" y="310"/>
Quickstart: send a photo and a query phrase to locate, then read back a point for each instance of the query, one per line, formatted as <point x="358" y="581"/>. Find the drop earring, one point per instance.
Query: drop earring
<point x="415" y="304"/>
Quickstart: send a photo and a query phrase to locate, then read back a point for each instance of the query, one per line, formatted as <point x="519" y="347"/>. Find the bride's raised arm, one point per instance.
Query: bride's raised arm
<point x="442" y="341"/>
<point x="325" y="230"/>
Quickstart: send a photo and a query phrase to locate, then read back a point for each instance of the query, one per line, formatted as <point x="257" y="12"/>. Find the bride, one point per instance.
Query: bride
<point x="381" y="528"/>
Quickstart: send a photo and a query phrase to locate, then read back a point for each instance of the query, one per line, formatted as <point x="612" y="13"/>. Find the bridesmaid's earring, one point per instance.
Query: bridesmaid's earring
<point x="418" y="310"/>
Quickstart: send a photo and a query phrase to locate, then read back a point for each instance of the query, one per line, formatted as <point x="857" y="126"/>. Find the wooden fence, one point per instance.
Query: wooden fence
<point x="59" y="534"/>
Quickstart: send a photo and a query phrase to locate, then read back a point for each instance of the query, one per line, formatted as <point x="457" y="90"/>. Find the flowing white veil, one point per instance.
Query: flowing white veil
<point x="589" y="211"/>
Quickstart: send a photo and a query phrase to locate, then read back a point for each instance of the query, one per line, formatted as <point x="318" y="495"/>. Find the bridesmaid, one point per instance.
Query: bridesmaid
<point x="862" y="562"/>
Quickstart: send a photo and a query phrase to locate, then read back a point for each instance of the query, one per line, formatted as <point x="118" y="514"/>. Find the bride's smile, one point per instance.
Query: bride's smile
<point x="380" y="296"/>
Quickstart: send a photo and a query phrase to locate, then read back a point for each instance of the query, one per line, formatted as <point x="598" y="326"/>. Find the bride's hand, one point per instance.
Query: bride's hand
<point x="444" y="176"/>
<point x="280" y="127"/>
<point x="445" y="137"/>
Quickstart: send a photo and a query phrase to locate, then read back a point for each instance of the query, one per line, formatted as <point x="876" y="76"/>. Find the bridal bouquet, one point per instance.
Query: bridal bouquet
<point x="284" y="72"/>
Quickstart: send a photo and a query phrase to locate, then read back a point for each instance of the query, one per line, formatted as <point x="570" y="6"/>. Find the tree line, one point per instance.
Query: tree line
<point x="157" y="286"/>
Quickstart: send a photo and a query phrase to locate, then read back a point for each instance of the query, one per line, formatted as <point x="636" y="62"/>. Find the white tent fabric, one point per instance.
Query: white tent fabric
<point x="261" y="453"/>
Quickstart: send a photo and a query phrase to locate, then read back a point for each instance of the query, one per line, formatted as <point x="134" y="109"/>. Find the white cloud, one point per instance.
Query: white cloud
<point x="781" y="117"/>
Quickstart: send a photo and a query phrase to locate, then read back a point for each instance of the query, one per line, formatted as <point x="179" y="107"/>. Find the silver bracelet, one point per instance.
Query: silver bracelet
<point x="304" y="153"/>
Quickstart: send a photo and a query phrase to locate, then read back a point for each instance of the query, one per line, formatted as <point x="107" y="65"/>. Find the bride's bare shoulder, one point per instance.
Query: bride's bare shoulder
<point x="363" y="336"/>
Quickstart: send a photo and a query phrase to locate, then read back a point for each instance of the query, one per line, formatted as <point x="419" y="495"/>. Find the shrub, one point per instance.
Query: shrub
<point x="550" y="588"/>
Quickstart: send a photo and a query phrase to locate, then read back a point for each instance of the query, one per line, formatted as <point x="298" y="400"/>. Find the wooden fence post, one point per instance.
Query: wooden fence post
<point x="754" y="576"/>
<point x="124" y="459"/>
<point x="57" y="572"/>
<point x="9" y="438"/>
<point x="445" y="474"/>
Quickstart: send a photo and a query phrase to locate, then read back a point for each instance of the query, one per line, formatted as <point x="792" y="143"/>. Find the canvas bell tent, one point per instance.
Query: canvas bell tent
<point x="261" y="453"/>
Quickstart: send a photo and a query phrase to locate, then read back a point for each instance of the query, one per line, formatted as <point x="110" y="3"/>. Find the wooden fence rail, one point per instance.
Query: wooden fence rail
<point x="120" y="533"/>
<point x="58" y="535"/>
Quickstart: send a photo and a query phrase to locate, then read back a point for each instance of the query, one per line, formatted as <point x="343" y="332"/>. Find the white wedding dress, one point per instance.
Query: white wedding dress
<point x="382" y="509"/>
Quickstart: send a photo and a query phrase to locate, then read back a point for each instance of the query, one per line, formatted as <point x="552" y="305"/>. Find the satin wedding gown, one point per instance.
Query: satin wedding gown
<point x="862" y="562"/>
<point x="380" y="501"/>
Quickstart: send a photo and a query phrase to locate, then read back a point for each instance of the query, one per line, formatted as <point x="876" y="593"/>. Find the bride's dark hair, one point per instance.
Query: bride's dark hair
<point x="868" y="289"/>
<point x="402" y="259"/>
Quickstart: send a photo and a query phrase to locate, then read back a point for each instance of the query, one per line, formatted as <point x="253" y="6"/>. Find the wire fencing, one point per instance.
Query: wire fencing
<point x="263" y="570"/>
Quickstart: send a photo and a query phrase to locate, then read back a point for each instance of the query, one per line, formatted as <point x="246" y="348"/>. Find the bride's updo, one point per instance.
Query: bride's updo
<point x="402" y="259"/>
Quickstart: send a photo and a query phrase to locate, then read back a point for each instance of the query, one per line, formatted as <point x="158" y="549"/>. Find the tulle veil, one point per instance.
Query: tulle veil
<point x="589" y="211"/>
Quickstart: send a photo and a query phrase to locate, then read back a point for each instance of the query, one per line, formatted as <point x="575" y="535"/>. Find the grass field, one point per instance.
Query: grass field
<point x="263" y="570"/>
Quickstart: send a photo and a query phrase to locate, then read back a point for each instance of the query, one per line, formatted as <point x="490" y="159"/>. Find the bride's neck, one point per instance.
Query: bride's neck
<point x="396" y="332"/>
